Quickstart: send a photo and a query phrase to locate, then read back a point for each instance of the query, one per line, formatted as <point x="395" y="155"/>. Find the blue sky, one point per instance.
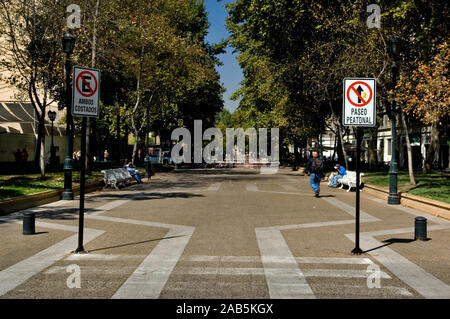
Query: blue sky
<point x="230" y="72"/>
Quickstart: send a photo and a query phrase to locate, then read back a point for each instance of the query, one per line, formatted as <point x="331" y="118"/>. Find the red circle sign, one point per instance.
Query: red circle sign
<point x="91" y="90"/>
<point x="352" y="88"/>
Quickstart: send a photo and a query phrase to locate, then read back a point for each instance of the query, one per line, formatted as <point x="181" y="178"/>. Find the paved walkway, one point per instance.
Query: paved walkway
<point x="229" y="233"/>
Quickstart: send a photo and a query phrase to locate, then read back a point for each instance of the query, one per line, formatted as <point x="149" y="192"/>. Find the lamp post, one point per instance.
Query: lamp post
<point x="52" y="116"/>
<point x="394" y="52"/>
<point x="147" y="156"/>
<point x="68" y="43"/>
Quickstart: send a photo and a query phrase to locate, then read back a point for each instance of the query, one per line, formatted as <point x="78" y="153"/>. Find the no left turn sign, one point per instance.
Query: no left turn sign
<point x="359" y="106"/>
<point x="85" y="92"/>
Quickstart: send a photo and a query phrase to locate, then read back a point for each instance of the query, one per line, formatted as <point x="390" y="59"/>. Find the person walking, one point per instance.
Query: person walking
<point x="314" y="169"/>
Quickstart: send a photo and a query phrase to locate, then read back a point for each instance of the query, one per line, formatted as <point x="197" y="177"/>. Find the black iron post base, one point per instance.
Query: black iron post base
<point x="67" y="195"/>
<point x="393" y="199"/>
<point x="357" y="251"/>
<point x="80" y="250"/>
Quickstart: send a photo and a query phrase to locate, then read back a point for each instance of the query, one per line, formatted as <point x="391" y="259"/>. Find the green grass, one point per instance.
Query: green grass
<point x="18" y="185"/>
<point x="435" y="185"/>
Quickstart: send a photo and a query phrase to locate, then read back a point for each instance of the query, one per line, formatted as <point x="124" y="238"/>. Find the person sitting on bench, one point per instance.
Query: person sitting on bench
<point x="341" y="172"/>
<point x="133" y="172"/>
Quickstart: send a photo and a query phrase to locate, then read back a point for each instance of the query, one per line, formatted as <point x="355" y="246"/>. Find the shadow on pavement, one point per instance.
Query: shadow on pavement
<point x="392" y="241"/>
<point x="147" y="196"/>
<point x="135" y="243"/>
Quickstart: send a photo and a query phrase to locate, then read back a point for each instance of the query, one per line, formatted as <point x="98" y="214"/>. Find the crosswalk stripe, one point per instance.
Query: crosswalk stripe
<point x="17" y="274"/>
<point x="276" y="259"/>
<point x="349" y="209"/>
<point x="289" y="187"/>
<point x="271" y="242"/>
<point x="92" y="270"/>
<point x="148" y="280"/>
<point x="361" y="290"/>
<point x="408" y="272"/>
<point x="103" y="257"/>
<point x="214" y="187"/>
<point x="280" y="273"/>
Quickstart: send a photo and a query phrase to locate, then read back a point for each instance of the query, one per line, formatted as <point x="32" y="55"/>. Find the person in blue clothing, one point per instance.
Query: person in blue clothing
<point x="314" y="169"/>
<point x="340" y="172"/>
<point x="133" y="172"/>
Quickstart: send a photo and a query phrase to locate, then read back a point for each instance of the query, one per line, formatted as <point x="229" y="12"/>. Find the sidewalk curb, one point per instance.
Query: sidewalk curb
<point x="14" y="204"/>
<point x="430" y="206"/>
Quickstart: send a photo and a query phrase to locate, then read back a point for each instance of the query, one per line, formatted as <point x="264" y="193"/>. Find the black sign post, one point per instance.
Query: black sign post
<point x="85" y="103"/>
<point x="357" y="250"/>
<point x="80" y="248"/>
<point x="359" y="110"/>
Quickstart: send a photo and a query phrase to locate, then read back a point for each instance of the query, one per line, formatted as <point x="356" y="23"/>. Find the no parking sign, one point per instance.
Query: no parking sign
<point x="359" y="107"/>
<point x="85" y="92"/>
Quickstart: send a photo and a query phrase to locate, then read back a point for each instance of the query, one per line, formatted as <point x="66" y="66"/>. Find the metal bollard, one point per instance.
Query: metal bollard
<point x="28" y="223"/>
<point x="420" y="228"/>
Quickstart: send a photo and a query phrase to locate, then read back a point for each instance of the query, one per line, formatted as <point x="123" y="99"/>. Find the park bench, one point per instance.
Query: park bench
<point x="115" y="176"/>
<point x="350" y="180"/>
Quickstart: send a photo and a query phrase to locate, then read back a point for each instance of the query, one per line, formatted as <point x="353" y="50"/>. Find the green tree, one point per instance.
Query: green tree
<point x="32" y="32"/>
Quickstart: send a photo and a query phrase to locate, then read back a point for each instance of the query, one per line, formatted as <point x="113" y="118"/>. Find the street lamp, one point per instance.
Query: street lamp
<point x="394" y="52"/>
<point x="52" y="116"/>
<point x="147" y="157"/>
<point x="68" y="43"/>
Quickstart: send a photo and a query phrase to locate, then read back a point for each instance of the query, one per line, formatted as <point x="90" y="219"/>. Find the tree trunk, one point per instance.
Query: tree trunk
<point x="429" y="158"/>
<point x="91" y="121"/>
<point x="41" y="145"/>
<point x="136" y="136"/>
<point x="412" y="181"/>
<point x="372" y="148"/>
<point x="344" y="153"/>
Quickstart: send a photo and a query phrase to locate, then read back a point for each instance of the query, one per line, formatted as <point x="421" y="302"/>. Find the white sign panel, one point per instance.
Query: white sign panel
<point x="359" y="107"/>
<point x="85" y="92"/>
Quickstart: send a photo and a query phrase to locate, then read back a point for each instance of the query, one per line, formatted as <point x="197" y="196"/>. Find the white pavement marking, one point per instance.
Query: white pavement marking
<point x="92" y="270"/>
<point x="109" y="206"/>
<point x="280" y="260"/>
<point x="402" y="230"/>
<point x="350" y="209"/>
<point x="424" y="283"/>
<point x="340" y="273"/>
<point x="359" y="290"/>
<point x="312" y="225"/>
<point x="214" y="187"/>
<point x="272" y="243"/>
<point x="254" y="188"/>
<point x="148" y="280"/>
<point x="289" y="187"/>
<point x="283" y="274"/>
<point x="324" y="260"/>
<point x="17" y="274"/>
<point x="412" y="211"/>
<point x="103" y="257"/>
